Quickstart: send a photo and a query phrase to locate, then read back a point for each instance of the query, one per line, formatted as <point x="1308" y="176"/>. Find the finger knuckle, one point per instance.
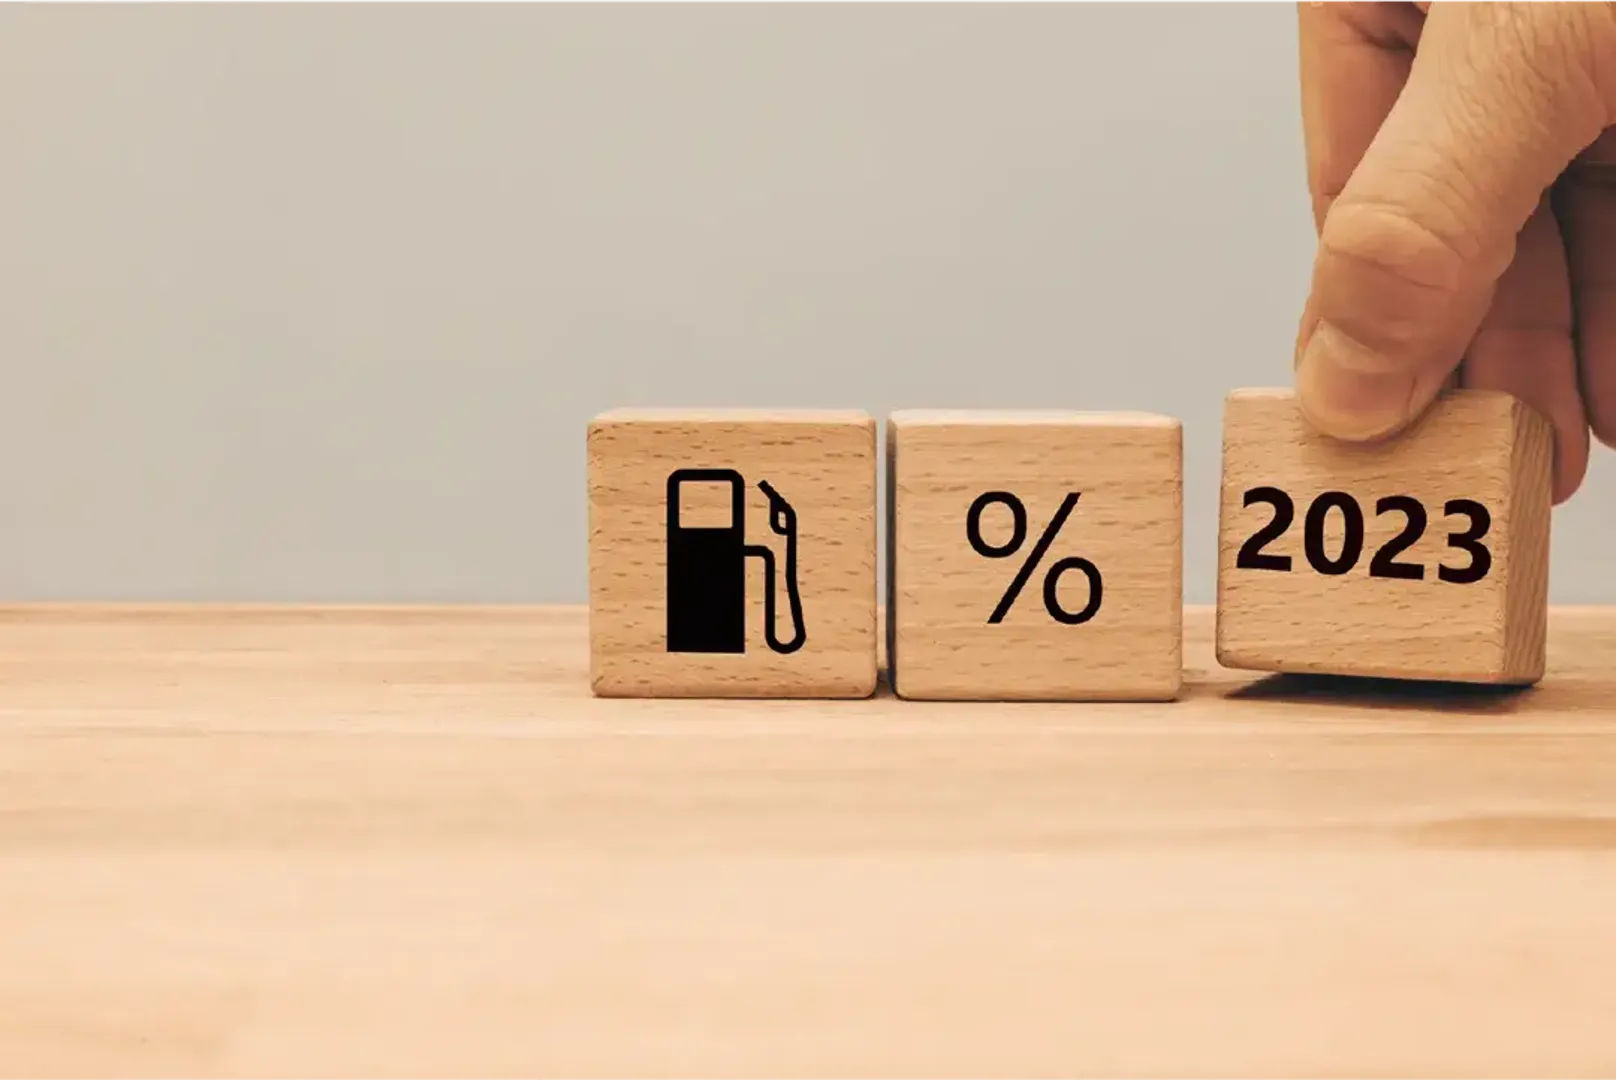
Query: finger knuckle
<point x="1388" y="278"/>
<point x="1551" y="64"/>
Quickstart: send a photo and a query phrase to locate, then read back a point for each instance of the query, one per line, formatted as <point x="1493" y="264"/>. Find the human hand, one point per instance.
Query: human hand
<point x="1464" y="188"/>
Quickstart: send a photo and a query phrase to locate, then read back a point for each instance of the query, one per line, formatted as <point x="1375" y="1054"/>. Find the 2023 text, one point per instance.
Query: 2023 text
<point x="1386" y="561"/>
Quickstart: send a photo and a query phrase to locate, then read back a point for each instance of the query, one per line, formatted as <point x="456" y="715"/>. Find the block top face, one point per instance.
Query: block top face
<point x="1479" y="424"/>
<point x="1454" y="408"/>
<point x="662" y="414"/>
<point x="1028" y="417"/>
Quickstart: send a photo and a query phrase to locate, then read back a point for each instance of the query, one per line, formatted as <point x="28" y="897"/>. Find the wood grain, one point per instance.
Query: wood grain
<point x="823" y="462"/>
<point x="1126" y="470"/>
<point x="1472" y="445"/>
<point x="317" y="842"/>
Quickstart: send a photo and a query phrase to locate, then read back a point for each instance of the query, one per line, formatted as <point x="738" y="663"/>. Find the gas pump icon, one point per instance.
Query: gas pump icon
<point x="706" y="602"/>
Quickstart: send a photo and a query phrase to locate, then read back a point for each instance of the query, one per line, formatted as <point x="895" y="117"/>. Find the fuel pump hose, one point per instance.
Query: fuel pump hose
<point x="793" y="597"/>
<point x="784" y="521"/>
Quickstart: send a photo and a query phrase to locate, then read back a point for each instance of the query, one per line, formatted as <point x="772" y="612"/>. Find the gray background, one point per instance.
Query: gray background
<point x="313" y="302"/>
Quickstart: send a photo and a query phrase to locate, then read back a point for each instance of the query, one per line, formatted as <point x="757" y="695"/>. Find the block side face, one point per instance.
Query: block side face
<point x="890" y="510"/>
<point x="679" y="608"/>
<point x="1125" y="523"/>
<point x="1175" y="643"/>
<point x="1526" y="608"/>
<point x="899" y="627"/>
<point x="598" y="445"/>
<point x="1389" y="611"/>
<point x="1233" y="424"/>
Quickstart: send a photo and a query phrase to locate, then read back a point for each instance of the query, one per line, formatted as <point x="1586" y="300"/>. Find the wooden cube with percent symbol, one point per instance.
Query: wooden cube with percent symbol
<point x="1035" y="555"/>
<point x="1422" y="557"/>
<point x="732" y="553"/>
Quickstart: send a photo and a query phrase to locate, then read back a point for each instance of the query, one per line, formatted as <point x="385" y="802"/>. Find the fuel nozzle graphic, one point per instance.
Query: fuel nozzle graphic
<point x="706" y="602"/>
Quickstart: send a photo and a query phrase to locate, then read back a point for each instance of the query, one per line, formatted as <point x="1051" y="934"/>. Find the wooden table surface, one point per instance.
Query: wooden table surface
<point x="407" y="841"/>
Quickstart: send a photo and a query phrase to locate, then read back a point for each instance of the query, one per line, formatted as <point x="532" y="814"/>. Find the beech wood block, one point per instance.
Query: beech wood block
<point x="1422" y="557"/>
<point x="732" y="553"/>
<point x="1035" y="555"/>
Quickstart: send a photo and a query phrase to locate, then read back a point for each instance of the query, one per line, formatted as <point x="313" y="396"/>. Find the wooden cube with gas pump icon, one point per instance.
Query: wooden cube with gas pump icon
<point x="1035" y="555"/>
<point x="732" y="553"/>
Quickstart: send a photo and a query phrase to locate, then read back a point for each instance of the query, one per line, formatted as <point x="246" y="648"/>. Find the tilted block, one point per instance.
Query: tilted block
<point x="1035" y="555"/>
<point x="732" y="553"/>
<point x="1422" y="557"/>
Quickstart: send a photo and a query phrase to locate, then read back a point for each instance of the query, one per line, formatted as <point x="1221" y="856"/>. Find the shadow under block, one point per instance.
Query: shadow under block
<point x="705" y="523"/>
<point x="1424" y="557"/>
<point x="1110" y="484"/>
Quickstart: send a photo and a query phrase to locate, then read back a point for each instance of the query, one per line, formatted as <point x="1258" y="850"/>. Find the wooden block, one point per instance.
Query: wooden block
<point x="732" y="553"/>
<point x="1426" y="557"/>
<point x="1035" y="555"/>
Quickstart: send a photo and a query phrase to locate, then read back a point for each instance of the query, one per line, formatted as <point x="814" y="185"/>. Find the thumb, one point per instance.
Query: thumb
<point x="1499" y="99"/>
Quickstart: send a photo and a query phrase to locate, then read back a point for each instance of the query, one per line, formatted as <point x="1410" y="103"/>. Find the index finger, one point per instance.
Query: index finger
<point x="1354" y="60"/>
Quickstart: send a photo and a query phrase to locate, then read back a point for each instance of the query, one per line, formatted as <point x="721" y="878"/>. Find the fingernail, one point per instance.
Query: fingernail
<point x="1347" y="390"/>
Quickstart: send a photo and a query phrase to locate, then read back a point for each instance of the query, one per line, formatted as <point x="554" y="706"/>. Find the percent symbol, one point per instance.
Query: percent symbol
<point x="1018" y="536"/>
